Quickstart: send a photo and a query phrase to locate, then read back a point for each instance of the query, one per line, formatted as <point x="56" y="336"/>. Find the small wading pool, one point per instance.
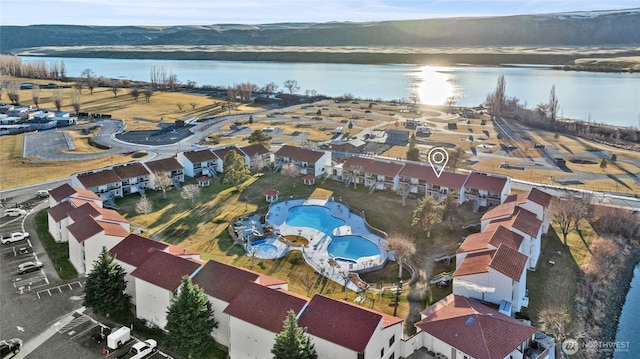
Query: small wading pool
<point x="352" y="247"/>
<point x="266" y="251"/>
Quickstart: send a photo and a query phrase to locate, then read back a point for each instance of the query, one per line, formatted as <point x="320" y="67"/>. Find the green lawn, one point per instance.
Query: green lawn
<point x="204" y="229"/>
<point x="58" y="252"/>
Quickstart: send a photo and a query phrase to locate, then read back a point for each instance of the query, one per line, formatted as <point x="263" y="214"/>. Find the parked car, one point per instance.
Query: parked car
<point x="11" y="346"/>
<point x="15" y="237"/>
<point x="42" y="194"/>
<point x="141" y="349"/>
<point x="14" y="212"/>
<point x="27" y="267"/>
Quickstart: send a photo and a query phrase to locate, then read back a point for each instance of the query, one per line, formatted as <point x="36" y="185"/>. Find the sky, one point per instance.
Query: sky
<point x="206" y="12"/>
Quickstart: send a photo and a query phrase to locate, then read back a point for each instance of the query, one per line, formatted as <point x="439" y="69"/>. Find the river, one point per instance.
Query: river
<point x="630" y="321"/>
<point x="611" y="98"/>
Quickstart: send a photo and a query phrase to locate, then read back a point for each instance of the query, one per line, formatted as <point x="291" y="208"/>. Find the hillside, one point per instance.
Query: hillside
<point x="616" y="29"/>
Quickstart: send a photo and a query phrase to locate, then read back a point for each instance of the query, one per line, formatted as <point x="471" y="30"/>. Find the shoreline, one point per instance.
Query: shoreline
<point x="557" y="61"/>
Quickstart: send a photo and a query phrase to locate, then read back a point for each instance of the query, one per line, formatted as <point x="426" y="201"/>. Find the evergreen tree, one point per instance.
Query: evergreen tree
<point x="258" y="136"/>
<point x="105" y="288"/>
<point x="291" y="342"/>
<point x="235" y="169"/>
<point x="427" y="214"/>
<point x="190" y="321"/>
<point x="413" y="154"/>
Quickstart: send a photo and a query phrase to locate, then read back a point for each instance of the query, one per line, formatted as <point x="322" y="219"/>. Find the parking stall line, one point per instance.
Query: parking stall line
<point x="58" y="289"/>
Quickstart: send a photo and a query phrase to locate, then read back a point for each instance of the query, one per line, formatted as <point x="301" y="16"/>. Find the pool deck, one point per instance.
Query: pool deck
<point x="316" y="253"/>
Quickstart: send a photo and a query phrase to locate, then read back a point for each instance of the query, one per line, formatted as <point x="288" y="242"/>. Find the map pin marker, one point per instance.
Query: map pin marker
<point x="438" y="158"/>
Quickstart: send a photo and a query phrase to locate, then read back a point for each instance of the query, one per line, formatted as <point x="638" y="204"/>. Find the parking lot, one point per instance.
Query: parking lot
<point x="81" y="338"/>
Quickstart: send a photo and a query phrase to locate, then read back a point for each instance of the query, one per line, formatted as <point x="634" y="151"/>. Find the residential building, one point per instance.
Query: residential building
<point x="535" y="201"/>
<point x="134" y="177"/>
<point x="256" y="315"/>
<point x="105" y="183"/>
<point x="87" y="237"/>
<point x="528" y="226"/>
<point x="497" y="276"/>
<point x="308" y="161"/>
<point x="460" y="327"/>
<point x="486" y="189"/>
<point x="167" y="166"/>
<point x="257" y="154"/>
<point x="372" y="173"/>
<point x="157" y="281"/>
<point x="198" y="163"/>
<point x="221" y="153"/>
<point x="340" y="329"/>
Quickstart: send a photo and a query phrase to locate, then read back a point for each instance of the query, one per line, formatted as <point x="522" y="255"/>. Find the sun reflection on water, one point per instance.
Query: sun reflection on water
<point x="434" y="85"/>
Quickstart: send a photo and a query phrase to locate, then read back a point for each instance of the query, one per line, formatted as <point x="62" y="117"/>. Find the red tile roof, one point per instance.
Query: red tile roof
<point x="264" y="307"/>
<point x="223" y="281"/>
<point x="85" y="210"/>
<point x="473" y="328"/>
<point x="86" y="194"/>
<point x="450" y="180"/>
<point x="474" y="263"/>
<point x="299" y="154"/>
<point x="539" y="197"/>
<point x="77" y="202"/>
<point x="200" y="156"/>
<point x="255" y="149"/>
<point x="179" y="251"/>
<point x="222" y="152"/>
<point x="522" y="220"/>
<point x="131" y="170"/>
<point x="271" y="192"/>
<point x="480" y="241"/>
<point x="374" y="166"/>
<point x="165" y="270"/>
<point x="135" y="249"/>
<point x="340" y="322"/>
<point x="61" y="192"/>
<point x="84" y="229"/>
<point x="113" y="229"/>
<point x="509" y="262"/>
<point x="164" y="165"/>
<point x="110" y="214"/>
<point x="413" y="170"/>
<point x="483" y="181"/>
<point x="504" y="236"/>
<point x="100" y="178"/>
<point x="60" y="210"/>
<point x="499" y="211"/>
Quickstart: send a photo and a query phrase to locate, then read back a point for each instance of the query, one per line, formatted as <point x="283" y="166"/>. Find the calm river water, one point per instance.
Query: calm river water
<point x="630" y="321"/>
<point x="612" y="98"/>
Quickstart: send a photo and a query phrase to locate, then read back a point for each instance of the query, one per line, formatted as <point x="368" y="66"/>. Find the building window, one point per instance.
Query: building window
<point x="392" y="340"/>
<point x="382" y="353"/>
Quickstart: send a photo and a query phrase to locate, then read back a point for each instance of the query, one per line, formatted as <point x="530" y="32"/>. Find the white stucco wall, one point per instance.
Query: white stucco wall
<point x="55" y="230"/>
<point x="76" y="254"/>
<point x="152" y="302"/>
<point x="93" y="247"/>
<point x="248" y="341"/>
<point x="221" y="333"/>
<point x="131" y="282"/>
<point x="328" y="350"/>
<point x="380" y="339"/>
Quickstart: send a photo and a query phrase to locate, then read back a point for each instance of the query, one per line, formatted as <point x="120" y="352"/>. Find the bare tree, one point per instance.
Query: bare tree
<point x="35" y="94"/>
<point x="135" y="93"/>
<point x="148" y="92"/>
<point x="402" y="248"/>
<point x="270" y="87"/>
<point x="555" y="320"/>
<point x="163" y="182"/>
<point x="57" y="99"/>
<point x="451" y="100"/>
<point x="191" y="192"/>
<point x="292" y="86"/>
<point x="89" y="78"/>
<point x="13" y="91"/>
<point x="495" y="101"/>
<point x="180" y="106"/>
<point x="583" y="209"/>
<point x="76" y="101"/>
<point x="554" y="105"/>
<point x="144" y="205"/>
<point x="191" y="84"/>
<point x="193" y="105"/>
<point x="563" y="215"/>
<point x="78" y="85"/>
<point x="257" y="162"/>
<point x="450" y="211"/>
<point x="292" y="170"/>
<point x="115" y="85"/>
<point x="159" y="78"/>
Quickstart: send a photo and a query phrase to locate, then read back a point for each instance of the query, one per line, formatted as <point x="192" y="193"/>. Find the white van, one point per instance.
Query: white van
<point x="14" y="212"/>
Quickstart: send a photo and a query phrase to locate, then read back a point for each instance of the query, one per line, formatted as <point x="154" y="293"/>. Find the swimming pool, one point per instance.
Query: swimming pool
<point x="316" y="217"/>
<point x="352" y="247"/>
<point x="266" y="251"/>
